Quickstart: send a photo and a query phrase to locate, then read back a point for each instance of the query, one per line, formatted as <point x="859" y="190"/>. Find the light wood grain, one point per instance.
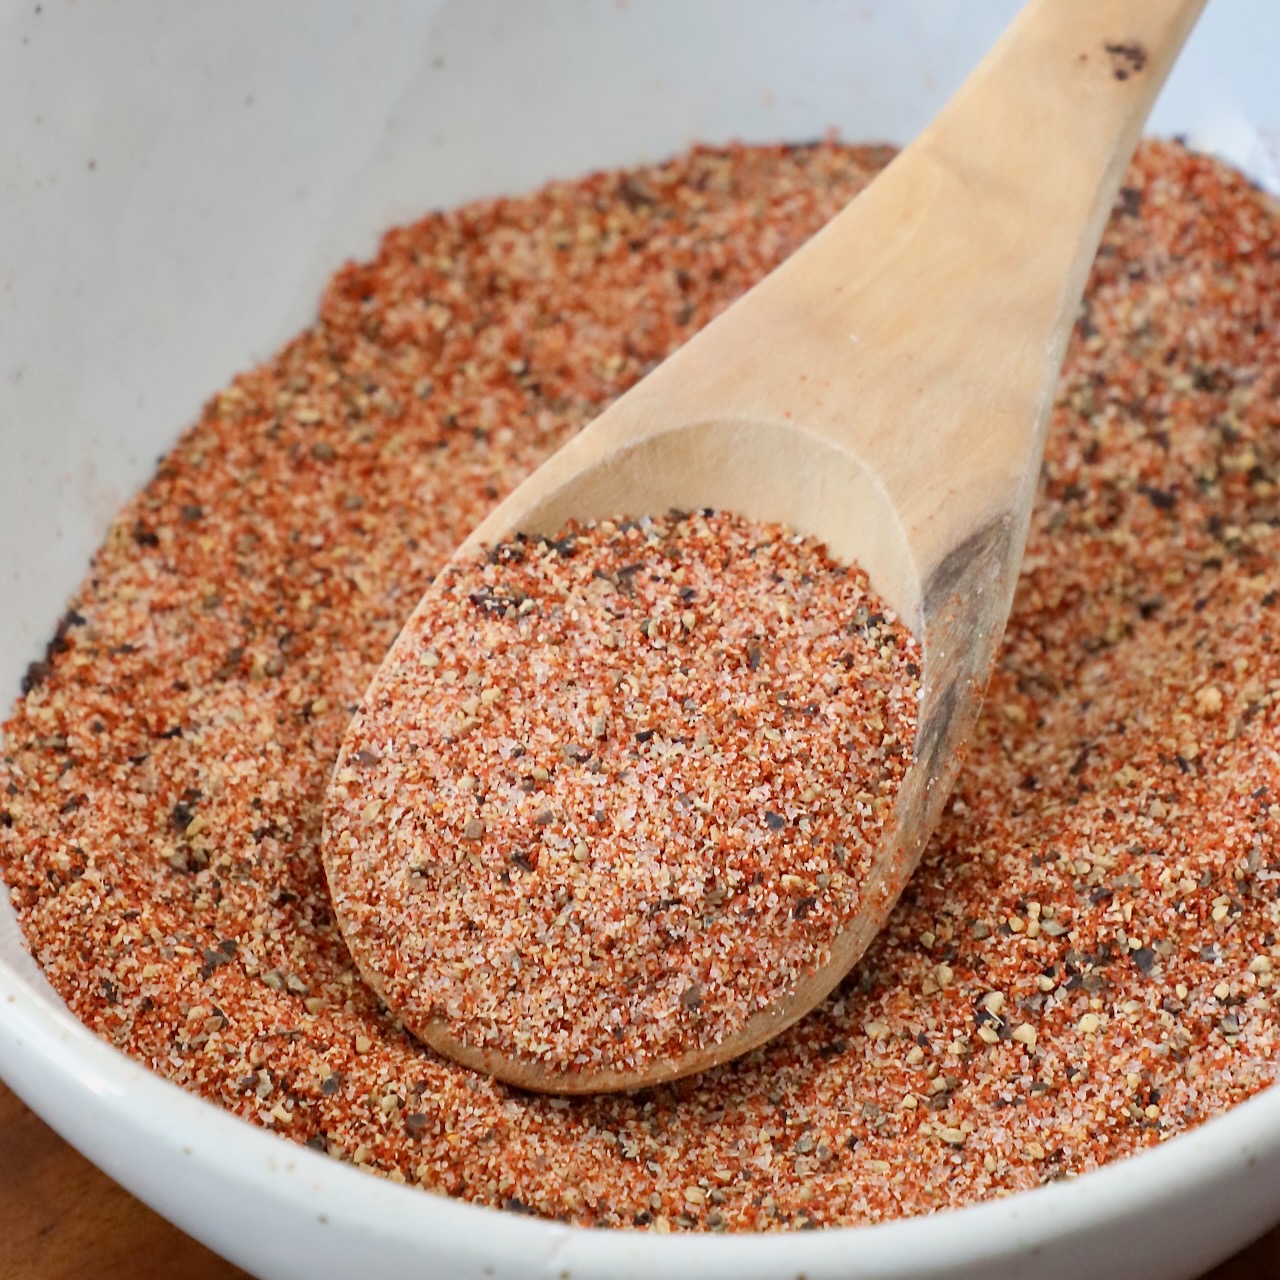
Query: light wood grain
<point x="61" y="1219"/>
<point x="885" y="390"/>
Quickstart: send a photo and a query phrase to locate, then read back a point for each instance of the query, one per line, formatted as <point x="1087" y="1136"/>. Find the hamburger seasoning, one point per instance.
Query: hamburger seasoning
<point x="1081" y="967"/>
<point x="615" y="792"/>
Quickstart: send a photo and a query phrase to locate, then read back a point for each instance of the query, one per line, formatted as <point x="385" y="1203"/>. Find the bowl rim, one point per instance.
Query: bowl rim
<point x="68" y="1075"/>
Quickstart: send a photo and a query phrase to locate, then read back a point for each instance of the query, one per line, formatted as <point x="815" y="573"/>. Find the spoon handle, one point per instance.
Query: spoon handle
<point x="1013" y="183"/>
<point x="924" y="327"/>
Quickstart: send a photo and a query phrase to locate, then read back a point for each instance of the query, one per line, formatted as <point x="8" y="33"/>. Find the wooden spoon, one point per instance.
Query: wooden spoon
<point x="887" y="390"/>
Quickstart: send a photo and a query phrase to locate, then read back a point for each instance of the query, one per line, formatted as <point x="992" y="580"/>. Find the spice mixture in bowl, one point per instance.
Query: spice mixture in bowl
<point x="1083" y="963"/>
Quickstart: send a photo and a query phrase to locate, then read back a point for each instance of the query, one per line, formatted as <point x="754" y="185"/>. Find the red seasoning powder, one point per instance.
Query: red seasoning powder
<point x="1082" y="965"/>
<point x="617" y="791"/>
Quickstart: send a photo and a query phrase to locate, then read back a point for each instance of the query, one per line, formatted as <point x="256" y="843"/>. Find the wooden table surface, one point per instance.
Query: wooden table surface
<point x="60" y="1219"/>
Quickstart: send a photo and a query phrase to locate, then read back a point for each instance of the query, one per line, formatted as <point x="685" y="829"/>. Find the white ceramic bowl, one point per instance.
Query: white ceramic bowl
<point x="178" y="181"/>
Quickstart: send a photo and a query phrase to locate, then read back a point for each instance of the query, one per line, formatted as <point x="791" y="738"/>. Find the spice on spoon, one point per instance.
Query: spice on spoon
<point x="619" y="789"/>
